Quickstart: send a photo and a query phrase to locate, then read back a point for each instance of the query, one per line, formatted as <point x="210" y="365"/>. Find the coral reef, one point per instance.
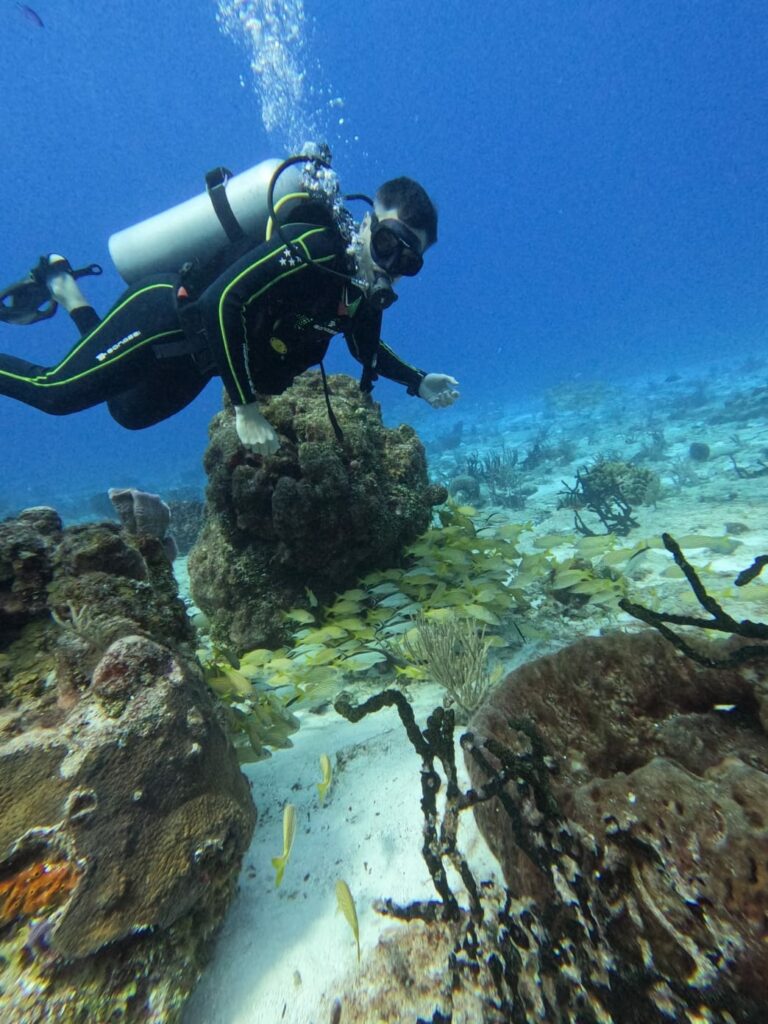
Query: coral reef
<point x="317" y="514"/>
<point x="455" y="571"/>
<point x="500" y="473"/>
<point x="106" y="584"/>
<point x="125" y="816"/>
<point x="608" y="489"/>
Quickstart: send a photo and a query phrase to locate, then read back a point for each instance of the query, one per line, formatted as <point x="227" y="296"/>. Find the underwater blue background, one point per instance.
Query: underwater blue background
<point x="599" y="167"/>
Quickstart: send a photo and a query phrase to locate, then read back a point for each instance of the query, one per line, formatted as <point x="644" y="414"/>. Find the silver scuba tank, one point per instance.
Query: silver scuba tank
<point x="193" y="229"/>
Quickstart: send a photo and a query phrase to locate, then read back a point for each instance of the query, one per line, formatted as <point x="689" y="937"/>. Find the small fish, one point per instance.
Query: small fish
<point x="289" y="831"/>
<point x="639" y="551"/>
<point x="325" y="783"/>
<point x="300" y="615"/>
<point x="347" y="907"/>
<point x="30" y="14"/>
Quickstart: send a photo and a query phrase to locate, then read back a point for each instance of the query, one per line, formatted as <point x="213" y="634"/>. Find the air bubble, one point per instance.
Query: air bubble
<point x="272" y="34"/>
<point x="275" y="36"/>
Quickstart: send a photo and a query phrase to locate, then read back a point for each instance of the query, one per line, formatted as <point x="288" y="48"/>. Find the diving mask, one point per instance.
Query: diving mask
<point x="395" y="247"/>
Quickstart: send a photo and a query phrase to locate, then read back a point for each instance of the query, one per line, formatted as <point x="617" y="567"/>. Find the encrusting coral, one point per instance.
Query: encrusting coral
<point x="37" y="886"/>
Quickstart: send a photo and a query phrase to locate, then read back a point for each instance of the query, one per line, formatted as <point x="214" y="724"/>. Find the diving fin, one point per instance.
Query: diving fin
<point x="29" y="301"/>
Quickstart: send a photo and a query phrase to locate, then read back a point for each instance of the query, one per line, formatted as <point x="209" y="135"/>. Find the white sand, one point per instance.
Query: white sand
<point x="283" y="952"/>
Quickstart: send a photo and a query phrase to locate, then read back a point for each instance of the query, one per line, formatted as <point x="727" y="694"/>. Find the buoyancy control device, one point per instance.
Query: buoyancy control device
<point x="231" y="206"/>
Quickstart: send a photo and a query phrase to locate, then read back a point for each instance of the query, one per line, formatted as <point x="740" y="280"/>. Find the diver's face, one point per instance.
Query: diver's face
<point x="389" y="250"/>
<point x="395" y="246"/>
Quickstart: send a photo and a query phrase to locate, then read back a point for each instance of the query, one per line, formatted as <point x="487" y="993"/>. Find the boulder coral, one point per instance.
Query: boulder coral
<point x="26" y="547"/>
<point x="658" y="856"/>
<point x="124" y="813"/>
<point x="315" y="516"/>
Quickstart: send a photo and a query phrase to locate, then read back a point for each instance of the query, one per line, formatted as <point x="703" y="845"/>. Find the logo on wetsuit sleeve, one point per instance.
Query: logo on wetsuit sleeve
<point x="287" y="258"/>
<point x="117" y="346"/>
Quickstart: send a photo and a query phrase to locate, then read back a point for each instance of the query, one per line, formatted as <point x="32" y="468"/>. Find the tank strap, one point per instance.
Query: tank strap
<point x="195" y="341"/>
<point x="196" y="348"/>
<point x="173" y="349"/>
<point x="215" y="185"/>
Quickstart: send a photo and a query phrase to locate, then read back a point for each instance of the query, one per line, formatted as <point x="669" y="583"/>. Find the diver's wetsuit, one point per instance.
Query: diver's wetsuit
<point x="260" y="322"/>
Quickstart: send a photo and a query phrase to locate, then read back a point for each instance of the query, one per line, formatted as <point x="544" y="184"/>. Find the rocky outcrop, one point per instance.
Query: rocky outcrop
<point x="649" y="886"/>
<point x="315" y="516"/>
<point x="124" y="813"/>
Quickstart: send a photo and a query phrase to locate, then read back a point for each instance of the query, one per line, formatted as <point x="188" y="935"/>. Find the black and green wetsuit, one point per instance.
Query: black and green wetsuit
<point x="257" y="323"/>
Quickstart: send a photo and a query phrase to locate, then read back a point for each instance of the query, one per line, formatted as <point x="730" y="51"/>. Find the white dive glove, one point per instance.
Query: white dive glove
<point x="438" y="389"/>
<point x="254" y="431"/>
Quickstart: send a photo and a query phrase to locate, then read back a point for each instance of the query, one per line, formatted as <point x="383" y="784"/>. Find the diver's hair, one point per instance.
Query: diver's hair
<point x="412" y="204"/>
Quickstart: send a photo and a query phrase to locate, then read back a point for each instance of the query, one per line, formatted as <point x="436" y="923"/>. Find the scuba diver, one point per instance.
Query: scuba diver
<point x="223" y="286"/>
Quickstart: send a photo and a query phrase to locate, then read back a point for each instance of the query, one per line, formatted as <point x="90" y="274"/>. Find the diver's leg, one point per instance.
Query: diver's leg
<point x="171" y="387"/>
<point x="115" y="356"/>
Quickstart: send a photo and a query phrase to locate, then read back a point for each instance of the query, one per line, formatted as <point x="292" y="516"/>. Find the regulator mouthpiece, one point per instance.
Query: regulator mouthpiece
<point x="381" y="294"/>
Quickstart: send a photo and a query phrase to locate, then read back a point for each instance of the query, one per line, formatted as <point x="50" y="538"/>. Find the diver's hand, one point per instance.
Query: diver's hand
<point x="439" y="390"/>
<point x="254" y="431"/>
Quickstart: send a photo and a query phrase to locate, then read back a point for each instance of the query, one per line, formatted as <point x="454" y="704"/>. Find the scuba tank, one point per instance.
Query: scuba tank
<point x="194" y="232"/>
<point x="231" y="207"/>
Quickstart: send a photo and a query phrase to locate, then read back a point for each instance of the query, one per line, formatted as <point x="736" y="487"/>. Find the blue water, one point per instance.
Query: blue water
<point x="599" y="169"/>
